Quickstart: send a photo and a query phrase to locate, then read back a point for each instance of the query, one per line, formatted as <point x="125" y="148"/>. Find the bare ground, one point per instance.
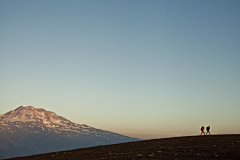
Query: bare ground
<point x="192" y="147"/>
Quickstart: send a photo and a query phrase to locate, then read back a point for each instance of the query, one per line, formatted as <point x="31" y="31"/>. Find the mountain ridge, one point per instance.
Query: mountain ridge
<point x="28" y="130"/>
<point x="187" y="147"/>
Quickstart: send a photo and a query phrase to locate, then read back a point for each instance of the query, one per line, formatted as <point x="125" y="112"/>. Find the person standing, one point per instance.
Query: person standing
<point x="208" y="130"/>
<point x="202" y="130"/>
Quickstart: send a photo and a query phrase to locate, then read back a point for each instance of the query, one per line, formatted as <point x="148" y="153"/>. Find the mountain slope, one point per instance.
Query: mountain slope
<point x="192" y="147"/>
<point x="28" y="130"/>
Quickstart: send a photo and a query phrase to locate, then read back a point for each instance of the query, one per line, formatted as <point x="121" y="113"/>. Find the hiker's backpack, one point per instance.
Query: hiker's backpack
<point x="202" y="128"/>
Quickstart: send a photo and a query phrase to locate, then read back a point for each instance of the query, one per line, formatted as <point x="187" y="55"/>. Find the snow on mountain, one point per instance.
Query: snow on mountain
<point x="30" y="113"/>
<point x="46" y="119"/>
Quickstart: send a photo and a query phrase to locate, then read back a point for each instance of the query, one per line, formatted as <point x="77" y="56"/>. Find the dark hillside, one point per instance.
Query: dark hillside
<point x="192" y="147"/>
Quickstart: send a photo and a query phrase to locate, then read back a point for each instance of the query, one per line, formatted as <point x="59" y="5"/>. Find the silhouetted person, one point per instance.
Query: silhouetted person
<point x="202" y="130"/>
<point x="208" y="130"/>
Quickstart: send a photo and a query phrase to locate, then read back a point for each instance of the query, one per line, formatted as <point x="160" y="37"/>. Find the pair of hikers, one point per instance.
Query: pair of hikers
<point x="207" y="128"/>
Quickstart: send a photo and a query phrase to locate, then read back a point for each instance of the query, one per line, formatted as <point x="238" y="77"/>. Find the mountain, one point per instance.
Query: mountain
<point x="28" y="130"/>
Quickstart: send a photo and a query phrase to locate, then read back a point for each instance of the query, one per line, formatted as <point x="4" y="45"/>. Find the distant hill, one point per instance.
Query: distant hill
<point x="28" y="131"/>
<point x="193" y="147"/>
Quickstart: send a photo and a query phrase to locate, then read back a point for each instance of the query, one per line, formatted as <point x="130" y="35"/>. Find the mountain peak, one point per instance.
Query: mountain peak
<point x="28" y="108"/>
<point x="28" y="130"/>
<point x="30" y="113"/>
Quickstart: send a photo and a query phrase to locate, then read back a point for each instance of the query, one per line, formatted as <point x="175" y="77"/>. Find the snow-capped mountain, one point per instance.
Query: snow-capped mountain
<point x="40" y="118"/>
<point x="28" y="130"/>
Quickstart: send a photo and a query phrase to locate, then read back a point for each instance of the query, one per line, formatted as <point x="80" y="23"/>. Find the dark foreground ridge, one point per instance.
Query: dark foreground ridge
<point x="192" y="147"/>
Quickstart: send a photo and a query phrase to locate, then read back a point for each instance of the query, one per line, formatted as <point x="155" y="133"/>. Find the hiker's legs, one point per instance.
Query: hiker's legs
<point x="208" y="132"/>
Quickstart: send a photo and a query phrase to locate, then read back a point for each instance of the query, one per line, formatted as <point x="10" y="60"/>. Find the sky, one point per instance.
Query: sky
<point x="145" y="69"/>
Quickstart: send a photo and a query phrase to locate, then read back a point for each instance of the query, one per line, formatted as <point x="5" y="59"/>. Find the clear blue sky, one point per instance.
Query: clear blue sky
<point x="141" y="68"/>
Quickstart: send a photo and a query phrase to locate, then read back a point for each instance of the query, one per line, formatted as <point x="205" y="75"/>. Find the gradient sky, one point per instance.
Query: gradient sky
<point x="145" y="69"/>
